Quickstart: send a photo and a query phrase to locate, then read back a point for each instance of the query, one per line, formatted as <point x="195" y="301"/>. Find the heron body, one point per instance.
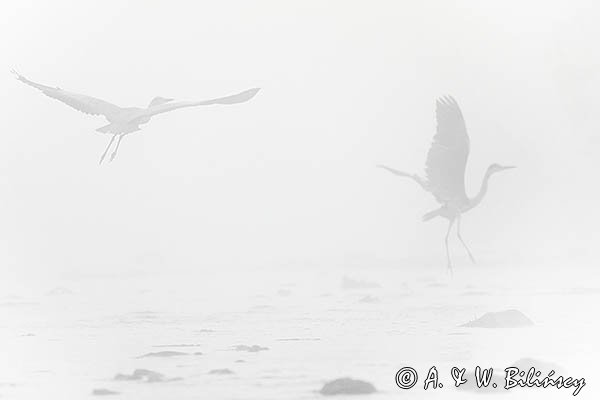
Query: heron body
<point x="126" y="120"/>
<point x="445" y="170"/>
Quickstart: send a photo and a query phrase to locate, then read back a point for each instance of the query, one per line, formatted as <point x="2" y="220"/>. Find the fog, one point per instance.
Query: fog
<point x="231" y="225"/>
<point x="290" y="176"/>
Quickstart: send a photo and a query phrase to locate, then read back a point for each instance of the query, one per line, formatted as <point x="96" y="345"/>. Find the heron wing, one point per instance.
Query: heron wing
<point x="233" y="99"/>
<point x="80" y="102"/>
<point x="447" y="156"/>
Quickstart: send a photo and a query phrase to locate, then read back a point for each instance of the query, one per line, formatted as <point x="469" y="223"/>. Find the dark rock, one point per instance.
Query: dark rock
<point x="347" y="386"/>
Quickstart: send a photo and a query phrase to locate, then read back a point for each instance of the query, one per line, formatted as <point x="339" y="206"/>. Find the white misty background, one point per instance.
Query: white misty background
<point x="289" y="178"/>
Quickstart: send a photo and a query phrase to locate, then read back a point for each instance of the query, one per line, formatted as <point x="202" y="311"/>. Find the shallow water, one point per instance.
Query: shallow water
<point x="73" y="336"/>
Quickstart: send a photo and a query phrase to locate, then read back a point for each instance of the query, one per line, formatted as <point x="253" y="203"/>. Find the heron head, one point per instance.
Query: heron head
<point x="497" y="168"/>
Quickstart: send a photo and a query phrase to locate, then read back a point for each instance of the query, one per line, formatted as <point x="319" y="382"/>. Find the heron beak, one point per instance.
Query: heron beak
<point x="508" y="167"/>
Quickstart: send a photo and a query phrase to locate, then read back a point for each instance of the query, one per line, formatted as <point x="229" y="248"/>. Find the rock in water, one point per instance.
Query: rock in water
<point x="103" y="392"/>
<point x="222" y="371"/>
<point x="501" y="319"/>
<point x="141" y="374"/>
<point x="252" y="349"/>
<point x="347" y="386"/>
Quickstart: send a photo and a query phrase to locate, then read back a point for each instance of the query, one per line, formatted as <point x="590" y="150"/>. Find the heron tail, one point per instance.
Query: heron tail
<point x="432" y="214"/>
<point x="118" y="128"/>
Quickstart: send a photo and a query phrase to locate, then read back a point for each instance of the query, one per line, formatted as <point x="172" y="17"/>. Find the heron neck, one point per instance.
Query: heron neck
<point x="482" y="191"/>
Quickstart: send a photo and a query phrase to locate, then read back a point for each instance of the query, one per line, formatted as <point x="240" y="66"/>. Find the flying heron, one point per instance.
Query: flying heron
<point x="445" y="170"/>
<point x="126" y="120"/>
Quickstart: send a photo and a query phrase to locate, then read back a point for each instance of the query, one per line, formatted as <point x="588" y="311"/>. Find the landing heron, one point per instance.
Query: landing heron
<point x="445" y="170"/>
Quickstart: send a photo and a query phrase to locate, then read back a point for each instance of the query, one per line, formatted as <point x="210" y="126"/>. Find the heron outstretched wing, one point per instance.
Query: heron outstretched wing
<point x="170" y="106"/>
<point x="80" y="102"/>
<point x="447" y="157"/>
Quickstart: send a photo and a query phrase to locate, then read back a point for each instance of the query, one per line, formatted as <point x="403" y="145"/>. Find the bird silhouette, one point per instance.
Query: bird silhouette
<point x="126" y="120"/>
<point x="445" y="170"/>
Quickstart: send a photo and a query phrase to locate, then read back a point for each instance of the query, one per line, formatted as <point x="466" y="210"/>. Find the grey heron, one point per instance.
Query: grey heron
<point x="445" y="170"/>
<point x="125" y="120"/>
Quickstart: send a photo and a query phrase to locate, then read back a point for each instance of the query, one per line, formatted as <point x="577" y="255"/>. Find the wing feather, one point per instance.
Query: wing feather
<point x="80" y="102"/>
<point x="447" y="157"/>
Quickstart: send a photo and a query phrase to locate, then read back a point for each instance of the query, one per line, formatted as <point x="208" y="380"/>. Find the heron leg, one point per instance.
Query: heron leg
<point x="447" y="249"/>
<point x="107" y="147"/>
<point x="114" y="153"/>
<point x="462" y="241"/>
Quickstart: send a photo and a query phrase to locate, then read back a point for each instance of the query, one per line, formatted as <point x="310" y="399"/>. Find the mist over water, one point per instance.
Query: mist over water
<point x="267" y="223"/>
